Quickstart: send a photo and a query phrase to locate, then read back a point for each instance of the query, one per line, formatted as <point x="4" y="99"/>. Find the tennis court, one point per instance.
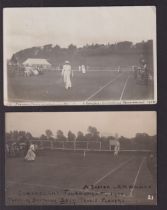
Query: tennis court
<point x="72" y="178"/>
<point x="100" y="85"/>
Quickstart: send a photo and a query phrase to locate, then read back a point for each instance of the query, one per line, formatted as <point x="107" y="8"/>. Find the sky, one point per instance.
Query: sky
<point x="28" y="27"/>
<point x="108" y="123"/>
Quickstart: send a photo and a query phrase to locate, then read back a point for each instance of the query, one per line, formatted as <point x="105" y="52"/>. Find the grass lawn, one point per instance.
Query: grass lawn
<point x="91" y="86"/>
<point x="69" y="178"/>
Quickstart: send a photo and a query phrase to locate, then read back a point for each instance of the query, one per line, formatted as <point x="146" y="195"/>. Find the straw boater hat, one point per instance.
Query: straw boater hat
<point x="67" y="62"/>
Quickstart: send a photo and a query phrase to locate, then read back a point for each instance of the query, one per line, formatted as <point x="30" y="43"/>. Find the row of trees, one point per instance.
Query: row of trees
<point x="56" y="54"/>
<point x="140" y="141"/>
<point x="92" y="134"/>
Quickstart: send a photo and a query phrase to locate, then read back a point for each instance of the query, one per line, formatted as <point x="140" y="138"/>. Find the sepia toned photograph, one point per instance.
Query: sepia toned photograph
<point x="80" y="55"/>
<point x="81" y="158"/>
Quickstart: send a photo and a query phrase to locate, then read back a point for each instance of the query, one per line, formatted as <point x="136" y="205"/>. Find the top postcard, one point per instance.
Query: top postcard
<point x="80" y="56"/>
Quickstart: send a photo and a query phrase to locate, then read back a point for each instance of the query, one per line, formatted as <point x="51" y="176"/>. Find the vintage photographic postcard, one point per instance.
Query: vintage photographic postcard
<point x="81" y="158"/>
<point x="80" y="55"/>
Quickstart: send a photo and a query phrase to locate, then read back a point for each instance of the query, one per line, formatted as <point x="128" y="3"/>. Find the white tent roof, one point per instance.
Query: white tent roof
<point x="36" y="61"/>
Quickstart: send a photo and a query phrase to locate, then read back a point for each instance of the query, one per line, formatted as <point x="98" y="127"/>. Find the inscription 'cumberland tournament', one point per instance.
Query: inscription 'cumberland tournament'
<point x="81" y="158"/>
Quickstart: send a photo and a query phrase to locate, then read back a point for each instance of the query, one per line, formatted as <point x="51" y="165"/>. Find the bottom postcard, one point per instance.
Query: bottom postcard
<point x="81" y="158"/>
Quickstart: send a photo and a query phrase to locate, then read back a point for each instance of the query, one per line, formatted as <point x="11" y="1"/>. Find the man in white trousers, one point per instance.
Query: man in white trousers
<point x="67" y="73"/>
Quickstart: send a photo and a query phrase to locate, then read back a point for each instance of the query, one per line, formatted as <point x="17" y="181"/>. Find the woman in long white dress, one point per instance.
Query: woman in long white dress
<point x="83" y="69"/>
<point x="30" y="156"/>
<point x="67" y="73"/>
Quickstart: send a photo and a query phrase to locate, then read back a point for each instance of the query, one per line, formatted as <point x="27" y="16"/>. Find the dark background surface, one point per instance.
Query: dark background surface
<point x="161" y="106"/>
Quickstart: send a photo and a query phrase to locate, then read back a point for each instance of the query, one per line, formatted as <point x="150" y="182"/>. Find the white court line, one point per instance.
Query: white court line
<point x="102" y="88"/>
<point x="102" y="150"/>
<point x="113" y="70"/>
<point x="123" y="90"/>
<point x="135" y="180"/>
<point x="112" y="171"/>
<point x="108" y="70"/>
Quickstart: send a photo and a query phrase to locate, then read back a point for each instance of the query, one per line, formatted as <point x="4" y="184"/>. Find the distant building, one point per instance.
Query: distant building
<point x="37" y="62"/>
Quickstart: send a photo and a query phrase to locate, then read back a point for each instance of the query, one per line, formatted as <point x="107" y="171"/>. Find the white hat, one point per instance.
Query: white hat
<point x="67" y="62"/>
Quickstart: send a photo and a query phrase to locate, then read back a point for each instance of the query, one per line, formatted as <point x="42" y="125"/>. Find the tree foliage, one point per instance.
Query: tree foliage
<point x="18" y="136"/>
<point x="93" y="134"/>
<point x="60" y="135"/>
<point x="71" y="136"/>
<point x="80" y="136"/>
<point x="49" y="134"/>
<point x="56" y="55"/>
<point x="141" y="141"/>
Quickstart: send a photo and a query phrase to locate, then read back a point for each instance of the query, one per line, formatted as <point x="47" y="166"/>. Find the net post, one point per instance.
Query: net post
<point x="63" y="145"/>
<point x="51" y="145"/>
<point x="87" y="145"/>
<point x="100" y="145"/>
<point x="42" y="147"/>
<point x="74" y="145"/>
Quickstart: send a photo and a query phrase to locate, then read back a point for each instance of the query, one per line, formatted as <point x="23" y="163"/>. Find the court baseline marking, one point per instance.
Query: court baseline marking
<point x="100" y="89"/>
<point x="123" y="90"/>
<point x="136" y="177"/>
<point x="107" y="70"/>
<point x="112" y="171"/>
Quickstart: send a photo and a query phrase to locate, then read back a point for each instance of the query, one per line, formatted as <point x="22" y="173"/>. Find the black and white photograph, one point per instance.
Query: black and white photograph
<point x="80" y="158"/>
<point x="80" y="55"/>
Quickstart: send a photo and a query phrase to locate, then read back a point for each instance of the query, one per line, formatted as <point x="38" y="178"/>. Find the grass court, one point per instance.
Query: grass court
<point x="69" y="178"/>
<point x="100" y="85"/>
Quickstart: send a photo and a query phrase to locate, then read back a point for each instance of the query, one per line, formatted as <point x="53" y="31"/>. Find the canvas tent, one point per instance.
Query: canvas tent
<point x="37" y="62"/>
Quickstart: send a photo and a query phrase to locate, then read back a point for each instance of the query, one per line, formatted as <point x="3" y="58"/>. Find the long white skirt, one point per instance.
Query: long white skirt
<point x="30" y="155"/>
<point x="67" y="79"/>
<point x="83" y="70"/>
